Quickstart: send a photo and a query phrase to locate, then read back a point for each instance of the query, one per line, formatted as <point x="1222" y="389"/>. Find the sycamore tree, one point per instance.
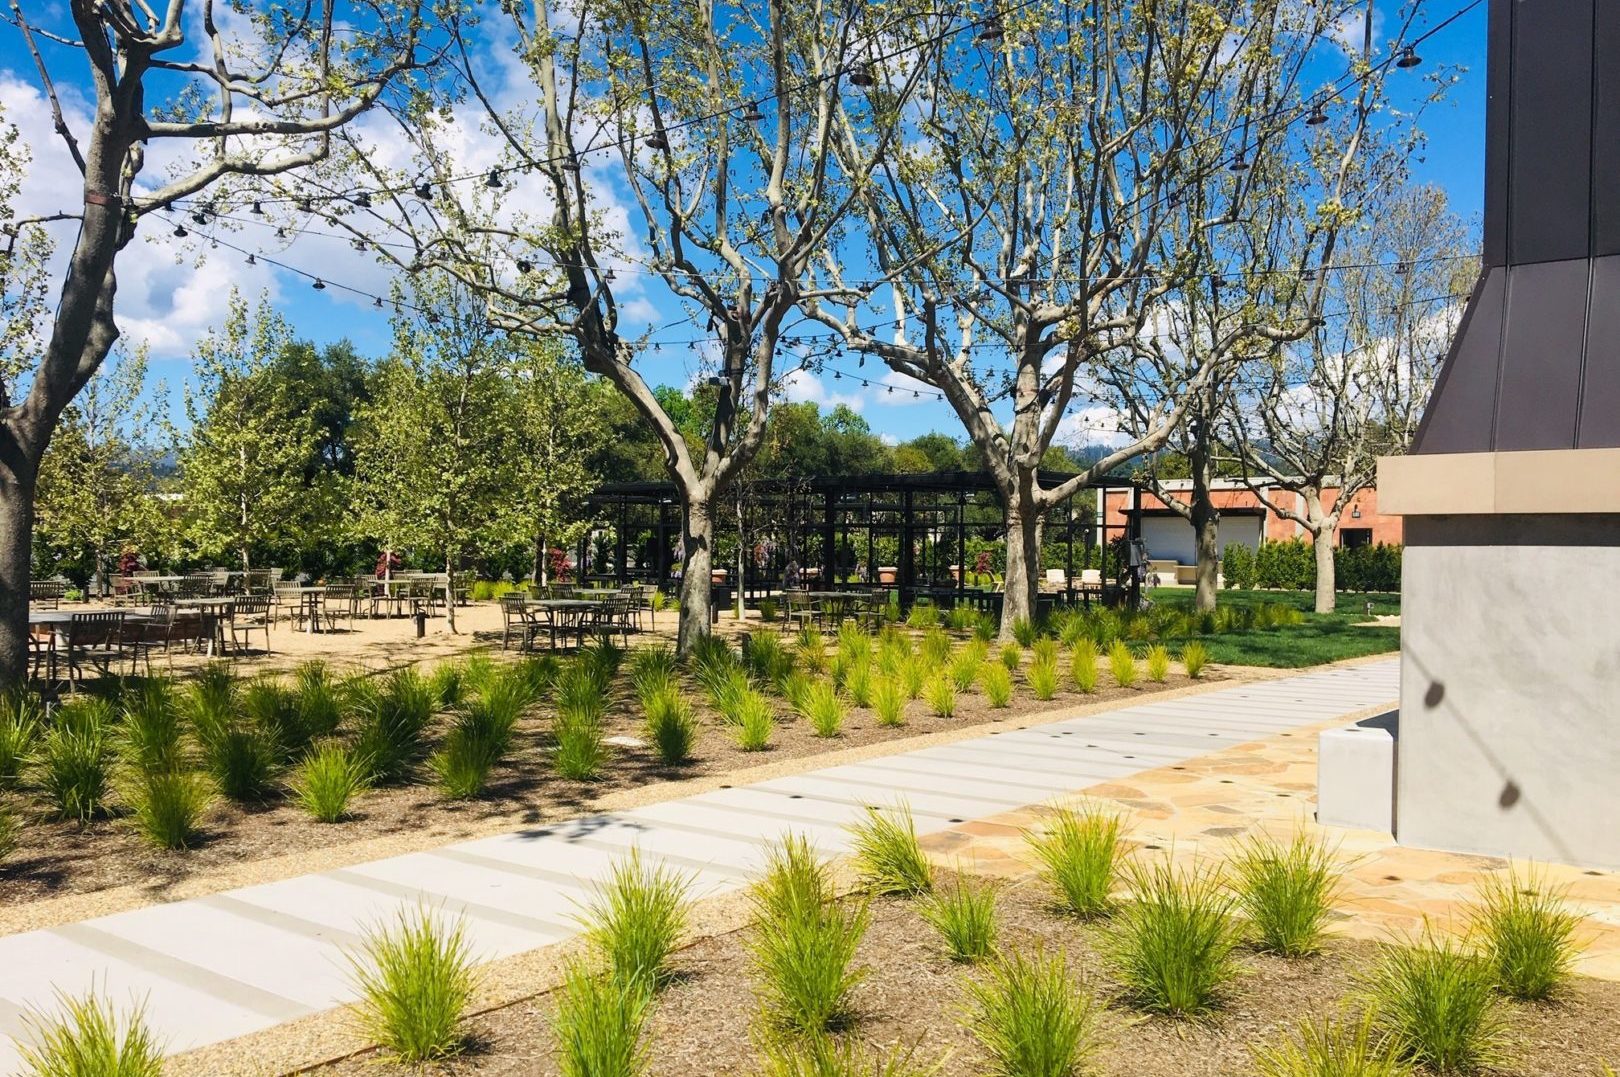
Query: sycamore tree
<point x="1027" y="233"/>
<point x="667" y="167"/>
<point x="558" y="421"/>
<point x="437" y="450"/>
<point x="212" y="93"/>
<point x="1309" y="425"/>
<point x="97" y="493"/>
<point x="243" y="454"/>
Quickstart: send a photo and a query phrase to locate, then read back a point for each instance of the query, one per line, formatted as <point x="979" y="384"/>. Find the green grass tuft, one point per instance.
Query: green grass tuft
<point x="1287" y="892"/>
<point x="1528" y="933"/>
<point x="392" y="719"/>
<point x="167" y="805"/>
<point x="86" y="1037"/>
<point x="941" y="696"/>
<point x="889" y="703"/>
<point x="964" y="914"/>
<point x="1042" y="675"/>
<point x="150" y="729"/>
<point x="415" y="979"/>
<point x="637" y="918"/>
<point x="913" y="673"/>
<point x="964" y="668"/>
<point x="1012" y="656"/>
<point x="328" y="780"/>
<point x="671" y="725"/>
<point x="1173" y="948"/>
<point x="754" y="722"/>
<point x="1330" y="1046"/>
<point x="1195" y="656"/>
<point x="581" y="749"/>
<point x="823" y="709"/>
<point x="1158" y="663"/>
<point x="76" y="762"/>
<point x="1436" y="1001"/>
<point x="1080" y="852"/>
<point x="859" y="681"/>
<point x="832" y="1056"/>
<point x="1122" y="663"/>
<point x="21" y="723"/>
<point x="887" y="855"/>
<point x="997" y="684"/>
<point x="1083" y="666"/>
<point x="598" y="1024"/>
<point x="1030" y="1018"/>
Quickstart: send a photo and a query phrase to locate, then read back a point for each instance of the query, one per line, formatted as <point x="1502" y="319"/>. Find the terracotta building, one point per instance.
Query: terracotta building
<point x="1245" y="519"/>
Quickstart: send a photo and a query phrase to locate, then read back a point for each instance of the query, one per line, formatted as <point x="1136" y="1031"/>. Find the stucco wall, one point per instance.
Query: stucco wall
<point x="1510" y="687"/>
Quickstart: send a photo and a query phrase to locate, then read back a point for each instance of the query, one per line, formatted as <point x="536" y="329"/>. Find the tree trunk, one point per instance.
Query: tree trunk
<point x="1326" y="595"/>
<point x="450" y="591"/>
<point x="540" y="560"/>
<point x="1019" y="601"/>
<point x="697" y="548"/>
<point x="1206" y="524"/>
<point x="16" y="548"/>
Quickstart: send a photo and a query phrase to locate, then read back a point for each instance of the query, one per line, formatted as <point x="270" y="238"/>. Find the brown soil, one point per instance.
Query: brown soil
<point x="912" y="995"/>
<point x="53" y="858"/>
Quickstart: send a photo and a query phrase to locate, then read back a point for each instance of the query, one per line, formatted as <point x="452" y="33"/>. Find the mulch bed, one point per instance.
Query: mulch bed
<point x="912" y="995"/>
<point x="55" y="858"/>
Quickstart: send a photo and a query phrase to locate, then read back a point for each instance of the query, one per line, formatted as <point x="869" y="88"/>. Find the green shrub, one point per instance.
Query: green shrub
<point x="1043" y="678"/>
<point x="167" y="805"/>
<point x="1528" y="933"/>
<point x="1173" y="949"/>
<point x="447" y="683"/>
<point x="766" y="658"/>
<point x="580" y="750"/>
<point x="272" y="708"/>
<point x="463" y="762"/>
<point x="1080" y="852"/>
<point x="812" y="650"/>
<point x="1024" y="631"/>
<point x="833" y="1056"/>
<point x="887" y="855"/>
<point x="997" y="684"/>
<point x="985" y="628"/>
<point x="637" y="918"/>
<point x="1237" y="567"/>
<point x="415" y="979"/>
<point x="1012" y="656"/>
<point x="76" y="762"/>
<point x="149" y="732"/>
<point x="84" y="1039"/>
<point x="1329" y="1046"/>
<point x="1195" y="656"/>
<point x="824" y="710"/>
<point x="964" y="914"/>
<point x="914" y="675"/>
<point x="241" y="758"/>
<point x="767" y="610"/>
<point x="755" y="721"/>
<point x="1122" y="664"/>
<point x="671" y="725"/>
<point x="935" y="647"/>
<point x="858" y="683"/>
<point x="941" y="694"/>
<point x="803" y="943"/>
<point x="598" y="1024"/>
<point x="328" y="780"/>
<point x="1287" y="892"/>
<point x="1158" y="663"/>
<point x="392" y="720"/>
<point x="922" y="615"/>
<point x="582" y="690"/>
<point x="889" y="703"/>
<point x="1044" y="649"/>
<point x="1436" y="1001"/>
<point x="965" y="665"/>
<point x="1030" y="1018"/>
<point x="21" y="719"/>
<point x="1083" y="666"/>
<point x="317" y="695"/>
<point x="652" y="669"/>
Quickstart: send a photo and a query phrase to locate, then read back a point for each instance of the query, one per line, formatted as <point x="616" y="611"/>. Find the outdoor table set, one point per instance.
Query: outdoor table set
<point x="568" y="616"/>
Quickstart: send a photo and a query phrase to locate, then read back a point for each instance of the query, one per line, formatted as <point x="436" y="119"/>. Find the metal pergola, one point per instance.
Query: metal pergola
<point x="907" y="532"/>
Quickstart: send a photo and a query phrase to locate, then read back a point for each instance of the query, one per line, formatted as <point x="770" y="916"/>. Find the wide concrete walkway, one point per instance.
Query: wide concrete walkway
<point x="221" y="966"/>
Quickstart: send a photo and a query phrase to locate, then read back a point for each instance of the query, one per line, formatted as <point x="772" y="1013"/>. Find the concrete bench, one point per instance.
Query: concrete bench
<point x="1355" y="775"/>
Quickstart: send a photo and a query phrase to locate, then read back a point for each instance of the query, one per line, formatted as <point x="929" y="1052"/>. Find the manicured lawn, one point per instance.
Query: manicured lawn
<point x="1322" y="638"/>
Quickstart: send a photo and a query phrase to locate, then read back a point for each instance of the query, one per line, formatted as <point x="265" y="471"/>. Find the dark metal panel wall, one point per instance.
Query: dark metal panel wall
<point x="1542" y="336"/>
<point x="1606" y="133"/>
<point x="1550" y="181"/>
<point x="1600" y="396"/>
<point x="1498" y="69"/>
<point x="1466" y="390"/>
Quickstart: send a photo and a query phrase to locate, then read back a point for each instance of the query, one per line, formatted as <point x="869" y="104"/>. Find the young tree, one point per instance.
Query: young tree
<point x="96" y="492"/>
<point x="1028" y="235"/>
<point x="558" y="421"/>
<point x="217" y="91"/>
<point x="435" y="464"/>
<point x="242" y="459"/>
<point x="1313" y="422"/>
<point x="717" y="121"/>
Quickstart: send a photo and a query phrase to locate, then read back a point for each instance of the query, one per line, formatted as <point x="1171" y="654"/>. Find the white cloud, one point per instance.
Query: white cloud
<point x="1095" y="425"/>
<point x="802" y="386"/>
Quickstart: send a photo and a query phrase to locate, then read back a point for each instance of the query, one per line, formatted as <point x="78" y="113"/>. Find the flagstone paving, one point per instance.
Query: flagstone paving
<point x="217" y="967"/>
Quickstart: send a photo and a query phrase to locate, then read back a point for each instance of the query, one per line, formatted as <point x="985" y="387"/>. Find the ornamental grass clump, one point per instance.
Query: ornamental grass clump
<point x="1333" y="1045"/>
<point x="167" y="806"/>
<point x="86" y="1037"/>
<point x="319" y="697"/>
<point x="935" y="647"/>
<point x="1158" y="663"/>
<point x="1286" y="892"/>
<point x="964" y="668"/>
<point x="599" y="1024"/>
<point x="997" y="684"/>
<point x="914" y="675"/>
<point x="887" y="855"/>
<point x="889" y="703"/>
<point x="823" y="709"/>
<point x="328" y="780"/>
<point x="1043" y="678"/>
<point x="580" y="748"/>
<point x="840" y="1056"/>
<point x="10" y="829"/>
<point x="636" y="920"/>
<point x="1083" y="666"/>
<point x="1122" y="663"/>
<point x="1436" y="1002"/>
<point x="811" y="650"/>
<point x="1044" y="649"/>
<point x="1080" y="852"/>
<point x="21" y="723"/>
<point x="1030" y="1017"/>
<point x="858" y="681"/>
<point x="272" y="708"/>
<point x="392" y="720"/>
<point x="1173" y="946"/>
<point x="652" y="669"/>
<point x="150" y="729"/>
<point x="671" y="725"/>
<point x="1012" y="656"/>
<point x="753" y="721"/>
<point x="964" y="914"/>
<point x="941" y="697"/>
<point x="1024" y="631"/>
<point x="1195" y="656"/>
<point x="415" y="979"/>
<point x="76" y="759"/>
<point x="1527" y="933"/>
<point x="803" y="942"/>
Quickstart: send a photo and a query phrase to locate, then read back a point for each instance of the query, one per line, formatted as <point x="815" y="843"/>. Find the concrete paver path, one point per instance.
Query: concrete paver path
<point x="221" y="966"/>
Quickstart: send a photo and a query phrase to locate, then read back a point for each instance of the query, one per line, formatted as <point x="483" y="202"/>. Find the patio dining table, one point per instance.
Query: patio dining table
<point x="566" y="615"/>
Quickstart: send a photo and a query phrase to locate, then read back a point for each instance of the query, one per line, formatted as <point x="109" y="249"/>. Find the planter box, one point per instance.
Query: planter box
<point x="888" y="574"/>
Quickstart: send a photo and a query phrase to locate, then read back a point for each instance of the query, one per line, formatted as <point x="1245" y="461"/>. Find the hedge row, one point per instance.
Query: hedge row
<point x="1291" y="566"/>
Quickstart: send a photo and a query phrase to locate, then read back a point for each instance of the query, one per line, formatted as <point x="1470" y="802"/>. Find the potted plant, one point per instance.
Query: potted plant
<point x="888" y="574"/>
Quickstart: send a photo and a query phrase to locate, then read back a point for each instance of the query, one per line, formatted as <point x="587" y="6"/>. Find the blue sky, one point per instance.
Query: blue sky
<point x="169" y="301"/>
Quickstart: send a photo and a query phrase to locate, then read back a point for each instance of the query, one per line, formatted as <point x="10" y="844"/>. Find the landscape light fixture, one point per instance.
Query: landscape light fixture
<point x="1407" y="58"/>
<point x="493" y="180"/>
<point x="753" y="115"/>
<point x="1241" y="164"/>
<point x="363" y="200"/>
<point x="991" y="30"/>
<point x="861" y="75"/>
<point x="258" y="210"/>
<point x="250" y="260"/>
<point x="319" y="285"/>
<point x="180" y="231"/>
<point x="1317" y="117"/>
<point x="424" y="190"/>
